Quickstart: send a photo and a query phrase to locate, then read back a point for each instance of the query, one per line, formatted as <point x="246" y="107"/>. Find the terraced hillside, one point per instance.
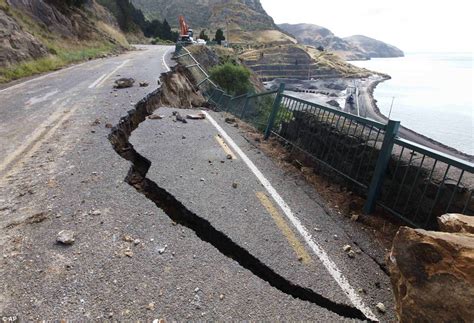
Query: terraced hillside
<point x="299" y="62"/>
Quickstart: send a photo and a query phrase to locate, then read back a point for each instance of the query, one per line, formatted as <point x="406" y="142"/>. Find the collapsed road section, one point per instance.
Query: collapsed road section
<point x="175" y="84"/>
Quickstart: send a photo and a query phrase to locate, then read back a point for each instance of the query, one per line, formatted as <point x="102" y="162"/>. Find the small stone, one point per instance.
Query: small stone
<point x="300" y="259"/>
<point x="317" y="229"/>
<point x="128" y="253"/>
<point x="347" y="248"/>
<point x="136" y="242"/>
<point x="196" y="290"/>
<point x="202" y="179"/>
<point x="143" y="84"/>
<point x="127" y="238"/>
<point x="351" y="254"/>
<point x="96" y="212"/>
<point x="65" y="237"/>
<point x="108" y="125"/>
<point x="229" y="156"/>
<point x="234" y="185"/>
<point x="151" y="306"/>
<point x="336" y="237"/>
<point x="162" y="250"/>
<point x="381" y="307"/>
<point x="362" y="291"/>
<point x="183" y="137"/>
<point x="355" y="217"/>
<point x="111" y="314"/>
<point x="221" y="297"/>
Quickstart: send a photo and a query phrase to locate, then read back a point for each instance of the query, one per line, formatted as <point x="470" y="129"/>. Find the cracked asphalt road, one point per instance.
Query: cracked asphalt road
<point x="130" y="261"/>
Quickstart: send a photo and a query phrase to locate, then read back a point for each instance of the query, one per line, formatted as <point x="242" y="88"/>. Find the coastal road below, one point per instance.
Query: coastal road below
<point x="129" y="260"/>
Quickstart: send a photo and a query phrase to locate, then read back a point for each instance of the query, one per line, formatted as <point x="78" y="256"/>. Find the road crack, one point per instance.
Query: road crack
<point x="176" y="211"/>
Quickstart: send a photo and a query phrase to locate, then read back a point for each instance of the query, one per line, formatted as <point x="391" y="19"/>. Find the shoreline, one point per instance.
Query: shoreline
<point x="407" y="133"/>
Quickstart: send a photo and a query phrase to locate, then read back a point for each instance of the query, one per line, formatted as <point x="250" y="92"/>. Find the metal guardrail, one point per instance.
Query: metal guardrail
<point x="409" y="180"/>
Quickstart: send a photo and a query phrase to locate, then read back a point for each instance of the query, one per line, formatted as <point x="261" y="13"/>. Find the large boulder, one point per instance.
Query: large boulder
<point x="456" y="223"/>
<point x="432" y="274"/>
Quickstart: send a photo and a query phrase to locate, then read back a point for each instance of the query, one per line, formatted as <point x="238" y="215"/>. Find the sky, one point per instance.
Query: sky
<point x="411" y="25"/>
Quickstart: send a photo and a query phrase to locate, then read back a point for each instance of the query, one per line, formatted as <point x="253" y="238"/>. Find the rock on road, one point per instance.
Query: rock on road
<point x="128" y="260"/>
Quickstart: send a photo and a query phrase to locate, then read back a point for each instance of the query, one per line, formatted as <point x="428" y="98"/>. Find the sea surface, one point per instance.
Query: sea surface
<point x="433" y="95"/>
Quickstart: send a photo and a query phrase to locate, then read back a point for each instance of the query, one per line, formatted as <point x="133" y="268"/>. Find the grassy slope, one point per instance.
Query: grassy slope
<point x="62" y="51"/>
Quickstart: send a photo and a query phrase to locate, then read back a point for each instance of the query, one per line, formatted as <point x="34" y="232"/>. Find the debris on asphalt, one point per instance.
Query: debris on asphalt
<point x="234" y="185"/>
<point x="128" y="252"/>
<point x="127" y="238"/>
<point x="355" y="217"/>
<point x="151" y="306"/>
<point x="229" y="156"/>
<point x="162" y="250"/>
<point x="198" y="116"/>
<point x="65" y="237"/>
<point x="136" y="242"/>
<point x="108" y="125"/>
<point x="317" y="229"/>
<point x="381" y="307"/>
<point x="124" y="82"/>
<point x="351" y="254"/>
<point x="196" y="289"/>
<point x="155" y="117"/>
<point x="95" y="212"/>
<point x="202" y="179"/>
<point x="95" y="122"/>
<point x="230" y="120"/>
<point x="183" y="137"/>
<point x="179" y="117"/>
<point x="347" y="248"/>
<point x="144" y="84"/>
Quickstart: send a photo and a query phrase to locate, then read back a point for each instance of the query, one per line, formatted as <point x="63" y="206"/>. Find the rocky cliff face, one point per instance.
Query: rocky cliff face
<point x="30" y="29"/>
<point x="373" y="47"/>
<point x="247" y="14"/>
<point x="16" y="44"/>
<point x="349" y="48"/>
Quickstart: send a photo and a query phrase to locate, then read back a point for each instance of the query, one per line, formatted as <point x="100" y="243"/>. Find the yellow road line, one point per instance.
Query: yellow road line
<point x="297" y="246"/>
<point x="224" y="146"/>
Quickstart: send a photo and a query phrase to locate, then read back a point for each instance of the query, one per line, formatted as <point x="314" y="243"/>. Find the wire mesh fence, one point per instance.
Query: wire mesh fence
<point x="411" y="181"/>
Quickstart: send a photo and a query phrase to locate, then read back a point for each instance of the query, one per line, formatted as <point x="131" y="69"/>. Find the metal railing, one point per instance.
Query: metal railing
<point x="409" y="180"/>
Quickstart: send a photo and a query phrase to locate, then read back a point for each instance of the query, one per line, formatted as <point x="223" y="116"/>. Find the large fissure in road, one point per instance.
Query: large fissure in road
<point x="136" y="177"/>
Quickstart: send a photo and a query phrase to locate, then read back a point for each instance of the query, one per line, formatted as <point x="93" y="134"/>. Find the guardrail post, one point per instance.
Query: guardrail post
<point x="276" y="107"/>
<point x="382" y="163"/>
<point x="246" y="104"/>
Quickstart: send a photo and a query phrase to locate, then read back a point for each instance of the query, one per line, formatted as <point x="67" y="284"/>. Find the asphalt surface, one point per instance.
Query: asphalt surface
<point x="129" y="261"/>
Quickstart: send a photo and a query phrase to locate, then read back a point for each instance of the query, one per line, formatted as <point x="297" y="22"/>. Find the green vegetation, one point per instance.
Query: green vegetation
<point x="203" y="35"/>
<point x="131" y="19"/>
<point x="52" y="62"/>
<point x="219" y="37"/>
<point x="234" y="79"/>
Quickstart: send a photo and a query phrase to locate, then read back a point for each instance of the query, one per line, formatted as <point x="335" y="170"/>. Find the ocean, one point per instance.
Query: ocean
<point x="433" y="95"/>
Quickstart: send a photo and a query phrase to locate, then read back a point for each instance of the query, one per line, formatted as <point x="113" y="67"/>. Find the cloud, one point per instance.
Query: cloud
<point x="412" y="25"/>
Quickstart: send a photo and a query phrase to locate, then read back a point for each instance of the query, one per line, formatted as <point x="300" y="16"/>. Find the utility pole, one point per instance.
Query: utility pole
<point x="391" y="106"/>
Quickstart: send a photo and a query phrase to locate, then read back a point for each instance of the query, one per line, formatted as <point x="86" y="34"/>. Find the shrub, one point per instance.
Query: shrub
<point x="234" y="79"/>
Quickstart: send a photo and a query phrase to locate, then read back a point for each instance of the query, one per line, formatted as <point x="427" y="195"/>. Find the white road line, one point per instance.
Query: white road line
<point x="164" y="61"/>
<point x="318" y="250"/>
<point x="97" y="81"/>
<point x="113" y="72"/>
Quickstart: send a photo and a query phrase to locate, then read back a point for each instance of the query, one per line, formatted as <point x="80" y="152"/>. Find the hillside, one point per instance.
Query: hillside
<point x="373" y="47"/>
<point x="38" y="35"/>
<point x="243" y="20"/>
<point x="349" y="48"/>
<point x="298" y="62"/>
<point x="314" y="35"/>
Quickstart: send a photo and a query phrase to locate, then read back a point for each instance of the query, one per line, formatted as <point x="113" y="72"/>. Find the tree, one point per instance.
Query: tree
<point x="203" y="35"/>
<point x="235" y="79"/>
<point x="167" y="33"/>
<point x="219" y="36"/>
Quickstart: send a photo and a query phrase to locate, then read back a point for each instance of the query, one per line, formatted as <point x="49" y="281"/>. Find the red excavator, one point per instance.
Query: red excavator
<point x="185" y="33"/>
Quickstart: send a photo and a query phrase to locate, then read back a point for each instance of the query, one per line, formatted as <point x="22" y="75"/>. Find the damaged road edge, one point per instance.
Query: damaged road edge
<point x="136" y="177"/>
